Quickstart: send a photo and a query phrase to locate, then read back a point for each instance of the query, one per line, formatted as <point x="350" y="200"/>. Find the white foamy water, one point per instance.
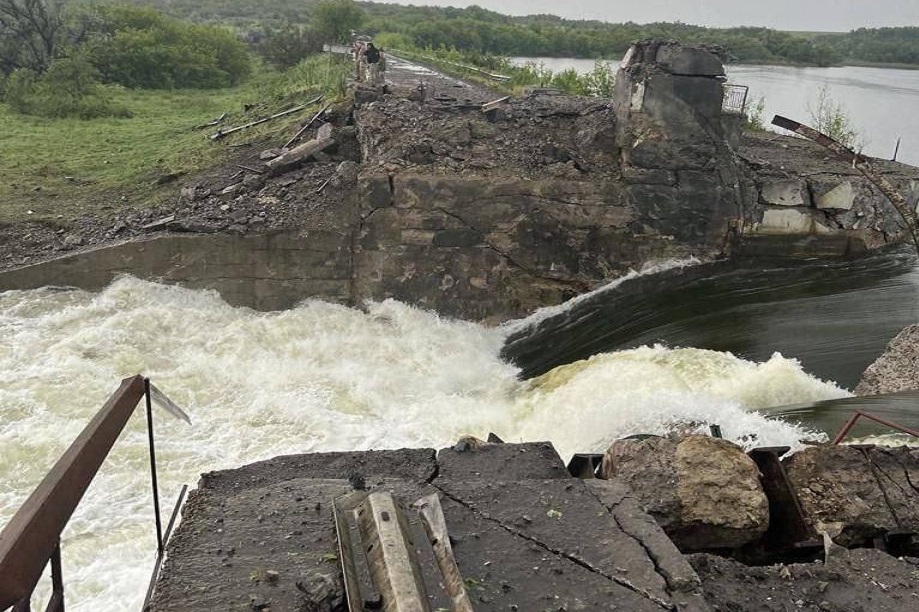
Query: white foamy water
<point x="318" y="377"/>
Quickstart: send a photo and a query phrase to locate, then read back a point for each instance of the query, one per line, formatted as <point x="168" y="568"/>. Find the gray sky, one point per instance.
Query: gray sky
<point x="809" y="15"/>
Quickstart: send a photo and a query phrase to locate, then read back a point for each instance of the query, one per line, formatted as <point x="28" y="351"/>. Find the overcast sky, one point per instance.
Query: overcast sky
<point x="809" y="15"/>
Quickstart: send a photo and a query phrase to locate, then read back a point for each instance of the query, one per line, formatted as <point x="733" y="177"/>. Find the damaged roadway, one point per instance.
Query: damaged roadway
<point x="526" y="536"/>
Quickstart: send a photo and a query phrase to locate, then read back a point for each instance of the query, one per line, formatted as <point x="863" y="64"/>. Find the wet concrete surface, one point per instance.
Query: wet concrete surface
<point x="526" y="536"/>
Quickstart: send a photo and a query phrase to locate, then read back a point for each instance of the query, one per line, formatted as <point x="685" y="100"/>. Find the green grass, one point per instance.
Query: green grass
<point x="61" y="168"/>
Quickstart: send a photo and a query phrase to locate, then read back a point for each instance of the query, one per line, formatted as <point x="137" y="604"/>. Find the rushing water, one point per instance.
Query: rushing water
<point x="878" y="101"/>
<point x="317" y="377"/>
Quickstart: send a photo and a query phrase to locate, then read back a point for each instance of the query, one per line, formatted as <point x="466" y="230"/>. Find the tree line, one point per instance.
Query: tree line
<point x="57" y="57"/>
<point x="66" y="48"/>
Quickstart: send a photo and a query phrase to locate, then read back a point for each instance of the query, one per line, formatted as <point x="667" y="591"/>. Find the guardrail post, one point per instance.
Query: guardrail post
<point x="156" y="493"/>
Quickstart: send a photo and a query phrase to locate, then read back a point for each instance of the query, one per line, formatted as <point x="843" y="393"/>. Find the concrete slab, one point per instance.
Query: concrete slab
<point x="501" y="461"/>
<point x="417" y="464"/>
<point x="525" y="535"/>
<point x="556" y="515"/>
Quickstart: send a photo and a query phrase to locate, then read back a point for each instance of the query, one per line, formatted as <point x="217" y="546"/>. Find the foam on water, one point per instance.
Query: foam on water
<point x="315" y="378"/>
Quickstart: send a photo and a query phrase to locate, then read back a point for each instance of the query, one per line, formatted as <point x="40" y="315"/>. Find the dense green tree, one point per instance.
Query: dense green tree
<point x="30" y="33"/>
<point x="139" y="47"/>
<point x="336" y="19"/>
<point x="287" y="45"/>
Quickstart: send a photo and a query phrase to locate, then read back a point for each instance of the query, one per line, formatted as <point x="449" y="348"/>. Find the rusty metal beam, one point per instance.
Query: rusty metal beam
<point x="858" y="414"/>
<point x="860" y="163"/>
<point x="30" y="538"/>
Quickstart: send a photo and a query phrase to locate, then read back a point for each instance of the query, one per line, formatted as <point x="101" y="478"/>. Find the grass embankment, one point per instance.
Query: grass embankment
<point x="60" y="169"/>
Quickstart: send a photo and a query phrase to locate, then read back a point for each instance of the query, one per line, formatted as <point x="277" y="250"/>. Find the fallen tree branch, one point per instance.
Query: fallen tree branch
<point x="211" y="122"/>
<point x="221" y="133"/>
<point x="324" y="183"/>
<point x="250" y="168"/>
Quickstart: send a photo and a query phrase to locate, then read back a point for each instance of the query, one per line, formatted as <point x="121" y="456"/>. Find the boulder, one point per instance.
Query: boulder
<point x="704" y="492"/>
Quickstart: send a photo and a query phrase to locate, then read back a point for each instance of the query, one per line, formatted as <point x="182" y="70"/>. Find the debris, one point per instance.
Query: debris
<point x="212" y="122"/>
<point x="308" y="123"/>
<point x="221" y="133"/>
<point x="250" y="168"/>
<point x="159" y="223"/>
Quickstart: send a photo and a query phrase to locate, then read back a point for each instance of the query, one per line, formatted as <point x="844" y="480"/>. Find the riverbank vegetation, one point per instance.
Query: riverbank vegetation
<point x="477" y="29"/>
<point x="113" y="112"/>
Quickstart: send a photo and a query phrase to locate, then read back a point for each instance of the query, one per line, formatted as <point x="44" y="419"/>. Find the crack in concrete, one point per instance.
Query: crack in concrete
<point x="909" y="480"/>
<point x="580" y="285"/>
<point x="655" y="559"/>
<point x="560" y="553"/>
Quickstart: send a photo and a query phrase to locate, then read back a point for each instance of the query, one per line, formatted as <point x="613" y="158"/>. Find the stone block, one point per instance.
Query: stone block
<point x="784" y="193"/>
<point x="375" y="192"/>
<point x="689" y="61"/>
<point x="476" y="459"/>
<point x="789" y="221"/>
<point x="840" y="494"/>
<point x="840" y="197"/>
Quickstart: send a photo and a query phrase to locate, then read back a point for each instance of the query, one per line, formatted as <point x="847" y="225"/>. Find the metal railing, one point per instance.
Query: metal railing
<point x="858" y="414"/>
<point x="734" y="98"/>
<point x="31" y="540"/>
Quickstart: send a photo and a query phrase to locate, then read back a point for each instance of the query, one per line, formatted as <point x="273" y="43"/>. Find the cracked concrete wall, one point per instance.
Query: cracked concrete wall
<point x="477" y="248"/>
<point x="261" y="271"/>
<point x="669" y="123"/>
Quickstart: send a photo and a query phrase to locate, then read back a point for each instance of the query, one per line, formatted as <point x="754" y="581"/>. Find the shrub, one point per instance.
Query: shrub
<point x="69" y="88"/>
<point x="831" y="118"/>
<point x="288" y="45"/>
<point x="756" y="115"/>
<point x="138" y="47"/>
<point x="601" y="80"/>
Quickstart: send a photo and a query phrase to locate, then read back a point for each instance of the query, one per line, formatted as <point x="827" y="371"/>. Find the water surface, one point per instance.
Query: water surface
<point x="879" y="102"/>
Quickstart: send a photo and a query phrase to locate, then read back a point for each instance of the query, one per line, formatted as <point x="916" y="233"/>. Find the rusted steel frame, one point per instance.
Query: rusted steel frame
<point x="860" y="163"/>
<point x="29" y="539"/>
<point x="858" y="413"/>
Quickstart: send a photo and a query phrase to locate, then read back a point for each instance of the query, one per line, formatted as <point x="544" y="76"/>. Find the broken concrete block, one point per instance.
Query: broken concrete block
<point x="785" y="193"/>
<point x="841" y="197"/>
<point x="296" y="156"/>
<point x="856" y="494"/>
